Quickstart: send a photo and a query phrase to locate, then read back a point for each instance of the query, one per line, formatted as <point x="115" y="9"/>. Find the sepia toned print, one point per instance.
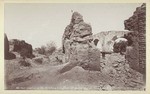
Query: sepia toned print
<point x="105" y="61"/>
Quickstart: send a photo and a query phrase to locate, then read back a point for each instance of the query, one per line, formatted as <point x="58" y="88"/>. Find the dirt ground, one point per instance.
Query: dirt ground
<point x="115" y="74"/>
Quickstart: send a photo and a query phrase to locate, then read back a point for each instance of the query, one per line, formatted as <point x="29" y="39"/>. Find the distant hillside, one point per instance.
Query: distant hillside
<point x="106" y="39"/>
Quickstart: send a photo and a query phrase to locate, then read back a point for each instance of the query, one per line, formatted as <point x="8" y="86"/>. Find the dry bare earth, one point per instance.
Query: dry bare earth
<point x="114" y="76"/>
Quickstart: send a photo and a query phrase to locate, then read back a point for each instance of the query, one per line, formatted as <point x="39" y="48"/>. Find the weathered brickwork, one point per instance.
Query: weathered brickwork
<point x="137" y="24"/>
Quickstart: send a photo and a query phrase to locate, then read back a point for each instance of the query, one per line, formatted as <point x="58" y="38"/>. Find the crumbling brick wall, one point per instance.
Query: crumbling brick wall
<point x="137" y="24"/>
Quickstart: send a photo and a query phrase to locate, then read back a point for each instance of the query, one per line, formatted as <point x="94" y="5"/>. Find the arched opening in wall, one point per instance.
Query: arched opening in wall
<point x="96" y="42"/>
<point x="114" y="38"/>
<point x="129" y="37"/>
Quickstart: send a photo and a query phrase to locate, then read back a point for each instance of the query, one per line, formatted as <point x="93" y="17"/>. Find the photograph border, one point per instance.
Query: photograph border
<point x="2" y="88"/>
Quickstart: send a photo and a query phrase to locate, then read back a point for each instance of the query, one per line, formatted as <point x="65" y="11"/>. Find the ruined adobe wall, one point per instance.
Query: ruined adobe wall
<point x="77" y="45"/>
<point x="137" y="23"/>
<point x="22" y="47"/>
<point x="105" y="38"/>
<point x="6" y="46"/>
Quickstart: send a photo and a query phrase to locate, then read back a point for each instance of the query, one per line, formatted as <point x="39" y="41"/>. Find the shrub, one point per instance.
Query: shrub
<point x="42" y="50"/>
<point x="48" y="49"/>
<point x="51" y="47"/>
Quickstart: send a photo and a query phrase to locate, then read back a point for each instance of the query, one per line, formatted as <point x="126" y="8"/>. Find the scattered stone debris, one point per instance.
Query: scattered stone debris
<point x="24" y="63"/>
<point x="38" y="60"/>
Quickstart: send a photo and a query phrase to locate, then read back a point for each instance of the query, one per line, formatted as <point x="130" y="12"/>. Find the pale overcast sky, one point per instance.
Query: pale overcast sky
<point x="38" y="24"/>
